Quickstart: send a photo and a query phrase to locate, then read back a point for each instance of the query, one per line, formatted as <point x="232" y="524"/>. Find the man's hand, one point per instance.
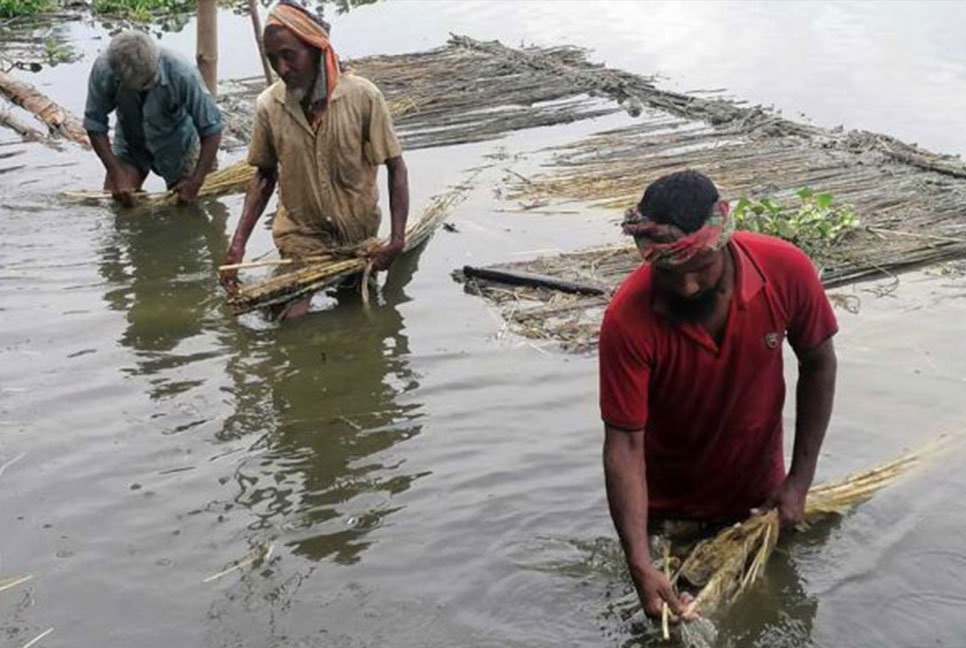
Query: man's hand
<point x="187" y="189"/>
<point x="122" y="188"/>
<point x="789" y="499"/>
<point x="654" y="589"/>
<point x="229" y="278"/>
<point x="383" y="257"/>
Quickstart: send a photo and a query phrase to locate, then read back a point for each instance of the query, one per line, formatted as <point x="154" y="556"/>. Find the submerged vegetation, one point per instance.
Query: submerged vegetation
<point x="816" y="225"/>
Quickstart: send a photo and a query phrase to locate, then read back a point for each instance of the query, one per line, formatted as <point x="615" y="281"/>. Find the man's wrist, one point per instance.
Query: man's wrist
<point x="799" y="479"/>
<point x="640" y="568"/>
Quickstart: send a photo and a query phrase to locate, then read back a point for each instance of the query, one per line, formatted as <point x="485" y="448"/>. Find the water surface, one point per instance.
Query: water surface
<point x="423" y="477"/>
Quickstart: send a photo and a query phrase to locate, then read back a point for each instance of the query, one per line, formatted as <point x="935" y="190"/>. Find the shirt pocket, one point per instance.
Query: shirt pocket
<point x="348" y="160"/>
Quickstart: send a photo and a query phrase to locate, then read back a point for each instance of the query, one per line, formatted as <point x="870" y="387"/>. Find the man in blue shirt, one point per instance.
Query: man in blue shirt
<point x="167" y="121"/>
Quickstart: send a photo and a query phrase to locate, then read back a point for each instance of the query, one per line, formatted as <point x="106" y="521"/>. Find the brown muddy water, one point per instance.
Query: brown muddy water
<point x="423" y="477"/>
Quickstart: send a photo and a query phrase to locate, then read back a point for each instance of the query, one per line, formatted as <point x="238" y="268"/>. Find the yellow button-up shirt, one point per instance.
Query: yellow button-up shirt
<point x="326" y="176"/>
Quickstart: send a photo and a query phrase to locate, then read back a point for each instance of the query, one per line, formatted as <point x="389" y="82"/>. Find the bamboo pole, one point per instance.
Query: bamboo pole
<point x="257" y="27"/>
<point x="25" y="131"/>
<point x="207" y="49"/>
<point x="57" y="118"/>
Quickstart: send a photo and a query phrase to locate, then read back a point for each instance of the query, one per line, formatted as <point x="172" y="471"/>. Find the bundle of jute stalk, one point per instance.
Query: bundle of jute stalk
<point x="231" y="179"/>
<point x="722" y="567"/>
<point x="320" y="272"/>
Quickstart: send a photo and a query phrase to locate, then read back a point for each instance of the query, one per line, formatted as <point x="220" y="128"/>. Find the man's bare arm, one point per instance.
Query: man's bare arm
<point x="399" y="213"/>
<point x="815" y="394"/>
<point x="260" y="189"/>
<point x="120" y="186"/>
<point x="101" y="144"/>
<point x="188" y="188"/>
<point x="626" y="479"/>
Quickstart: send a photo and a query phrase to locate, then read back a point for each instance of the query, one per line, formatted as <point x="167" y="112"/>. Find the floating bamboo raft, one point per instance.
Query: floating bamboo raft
<point x="467" y="91"/>
<point x="573" y="320"/>
<point x="912" y="202"/>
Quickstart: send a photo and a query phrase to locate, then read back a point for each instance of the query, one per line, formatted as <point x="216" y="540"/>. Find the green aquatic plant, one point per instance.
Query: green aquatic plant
<point x="57" y="52"/>
<point x="815" y="225"/>
<point x="14" y="8"/>
<point x="141" y="10"/>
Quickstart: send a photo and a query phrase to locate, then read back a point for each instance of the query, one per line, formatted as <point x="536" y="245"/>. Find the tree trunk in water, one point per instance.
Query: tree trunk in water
<point x="257" y="26"/>
<point x="57" y="118"/>
<point x="25" y="131"/>
<point x="208" y="44"/>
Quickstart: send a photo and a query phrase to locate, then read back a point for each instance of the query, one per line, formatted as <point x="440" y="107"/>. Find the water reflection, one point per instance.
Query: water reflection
<point x="160" y="263"/>
<point x="325" y="391"/>
<point x="324" y="400"/>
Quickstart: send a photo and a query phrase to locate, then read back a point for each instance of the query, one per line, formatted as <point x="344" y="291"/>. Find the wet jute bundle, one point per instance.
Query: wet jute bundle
<point x="231" y="179"/>
<point x="724" y="566"/>
<point x="321" y="272"/>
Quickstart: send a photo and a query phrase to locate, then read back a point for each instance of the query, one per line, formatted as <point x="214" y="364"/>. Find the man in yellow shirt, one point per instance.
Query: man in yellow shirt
<point x="321" y="136"/>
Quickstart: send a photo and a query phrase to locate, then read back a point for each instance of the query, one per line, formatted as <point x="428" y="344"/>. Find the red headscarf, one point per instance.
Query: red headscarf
<point x="668" y="246"/>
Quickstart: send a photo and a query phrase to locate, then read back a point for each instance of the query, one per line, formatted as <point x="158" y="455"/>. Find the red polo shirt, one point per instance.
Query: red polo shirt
<point x="712" y="416"/>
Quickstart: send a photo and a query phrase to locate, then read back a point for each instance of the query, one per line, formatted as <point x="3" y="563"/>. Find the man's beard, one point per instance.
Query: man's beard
<point x="314" y="91"/>
<point x="298" y="93"/>
<point x="696" y="308"/>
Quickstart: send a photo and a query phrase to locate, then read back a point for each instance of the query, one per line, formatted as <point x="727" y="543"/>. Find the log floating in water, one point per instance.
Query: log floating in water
<point x="515" y="278"/>
<point x="25" y="131"/>
<point x="57" y="118"/>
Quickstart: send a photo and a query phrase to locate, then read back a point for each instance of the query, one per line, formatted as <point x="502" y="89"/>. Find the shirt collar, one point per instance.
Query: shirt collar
<point x="748" y="275"/>
<point x="294" y="109"/>
<point x="162" y="72"/>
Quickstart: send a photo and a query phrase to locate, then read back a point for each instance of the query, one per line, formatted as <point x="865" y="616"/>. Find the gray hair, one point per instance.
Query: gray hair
<point x="133" y="56"/>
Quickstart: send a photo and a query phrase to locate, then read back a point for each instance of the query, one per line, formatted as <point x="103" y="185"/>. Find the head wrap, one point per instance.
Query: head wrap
<point x="667" y="246"/>
<point x="312" y="31"/>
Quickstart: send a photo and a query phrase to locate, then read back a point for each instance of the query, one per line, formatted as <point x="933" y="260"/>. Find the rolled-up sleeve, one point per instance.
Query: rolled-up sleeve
<point x="381" y="143"/>
<point x="261" y="150"/>
<point x="811" y="318"/>
<point x="100" y="97"/>
<point x="198" y="102"/>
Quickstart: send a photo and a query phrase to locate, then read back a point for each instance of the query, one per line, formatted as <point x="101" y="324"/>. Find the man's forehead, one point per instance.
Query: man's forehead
<point x="699" y="262"/>
<point x="281" y="37"/>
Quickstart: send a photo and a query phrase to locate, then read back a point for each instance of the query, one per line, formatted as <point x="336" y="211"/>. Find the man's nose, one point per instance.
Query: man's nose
<point x="281" y="68"/>
<point x="688" y="286"/>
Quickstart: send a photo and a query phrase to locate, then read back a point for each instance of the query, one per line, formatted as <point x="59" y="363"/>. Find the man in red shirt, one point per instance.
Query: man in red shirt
<point x="691" y="382"/>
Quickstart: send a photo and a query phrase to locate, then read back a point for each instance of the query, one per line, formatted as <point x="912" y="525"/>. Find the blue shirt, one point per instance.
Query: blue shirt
<point x="158" y="128"/>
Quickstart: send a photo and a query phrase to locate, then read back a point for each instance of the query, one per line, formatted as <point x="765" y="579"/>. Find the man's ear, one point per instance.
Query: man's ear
<point x="722" y="207"/>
